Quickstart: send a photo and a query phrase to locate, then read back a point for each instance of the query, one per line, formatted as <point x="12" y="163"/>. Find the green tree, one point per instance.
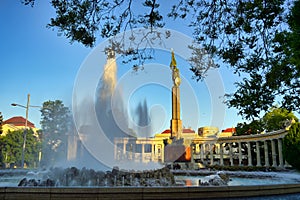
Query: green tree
<point x="56" y="121"/>
<point x="277" y="75"/>
<point x="11" y="148"/>
<point x="277" y="118"/>
<point x="1" y="123"/>
<point x="259" y="39"/>
<point x="291" y="146"/>
<point x="254" y="127"/>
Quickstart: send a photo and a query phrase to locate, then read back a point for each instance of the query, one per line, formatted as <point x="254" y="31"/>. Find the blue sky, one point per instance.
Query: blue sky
<point x="33" y="59"/>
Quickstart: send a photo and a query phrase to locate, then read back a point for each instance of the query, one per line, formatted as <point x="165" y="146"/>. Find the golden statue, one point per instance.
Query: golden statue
<point x="175" y="70"/>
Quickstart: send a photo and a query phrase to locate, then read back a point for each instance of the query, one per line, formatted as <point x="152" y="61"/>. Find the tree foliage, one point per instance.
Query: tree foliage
<point x="56" y="121"/>
<point x="254" y="127"/>
<point x="28" y="2"/>
<point x="11" y="148"/>
<point x="277" y="118"/>
<point x="291" y="146"/>
<point x="1" y="123"/>
<point x="258" y="39"/>
<point x="274" y="75"/>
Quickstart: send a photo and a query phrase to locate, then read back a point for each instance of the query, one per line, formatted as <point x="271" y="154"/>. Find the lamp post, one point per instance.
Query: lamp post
<point x="26" y="124"/>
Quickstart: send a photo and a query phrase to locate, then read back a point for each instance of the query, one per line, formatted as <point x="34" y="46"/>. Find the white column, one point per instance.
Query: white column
<point x="125" y="153"/>
<point x="286" y="164"/>
<point x="115" y="150"/>
<point x="221" y="154"/>
<point x="280" y="153"/>
<point x="133" y="151"/>
<point x="267" y="164"/>
<point x="124" y="148"/>
<point x="202" y="153"/>
<point x="162" y="153"/>
<point x="196" y="149"/>
<point x="211" y="154"/>
<point x="193" y="146"/>
<point x="142" y="154"/>
<point x="258" y="154"/>
<point x="249" y="154"/>
<point x="230" y="154"/>
<point x="240" y="154"/>
<point x="152" y="151"/>
<point x="273" y="153"/>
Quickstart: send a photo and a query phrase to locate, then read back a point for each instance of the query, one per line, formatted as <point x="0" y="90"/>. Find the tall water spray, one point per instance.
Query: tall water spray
<point x="109" y="107"/>
<point x="100" y="114"/>
<point x="143" y="120"/>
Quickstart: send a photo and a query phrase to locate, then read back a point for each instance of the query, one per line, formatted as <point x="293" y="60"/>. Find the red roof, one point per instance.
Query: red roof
<point x="185" y="130"/>
<point x="231" y="130"/>
<point x="166" y="131"/>
<point x="19" y="121"/>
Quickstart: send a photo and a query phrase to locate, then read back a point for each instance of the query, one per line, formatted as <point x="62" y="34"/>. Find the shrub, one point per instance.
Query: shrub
<point x="291" y="146"/>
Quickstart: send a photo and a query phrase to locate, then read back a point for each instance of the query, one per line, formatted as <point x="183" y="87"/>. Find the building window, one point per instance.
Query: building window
<point x="120" y="147"/>
<point x="148" y="148"/>
<point x="138" y="148"/>
<point x="129" y="147"/>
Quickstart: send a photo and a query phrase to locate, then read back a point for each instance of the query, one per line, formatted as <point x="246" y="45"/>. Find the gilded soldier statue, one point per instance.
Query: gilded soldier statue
<point x="175" y="71"/>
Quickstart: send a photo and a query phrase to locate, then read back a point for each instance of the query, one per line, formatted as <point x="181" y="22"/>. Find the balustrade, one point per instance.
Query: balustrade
<point x="235" y="152"/>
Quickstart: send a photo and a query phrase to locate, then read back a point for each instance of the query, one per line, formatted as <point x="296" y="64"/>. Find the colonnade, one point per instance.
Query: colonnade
<point x="126" y="149"/>
<point x="253" y="150"/>
<point x="261" y="150"/>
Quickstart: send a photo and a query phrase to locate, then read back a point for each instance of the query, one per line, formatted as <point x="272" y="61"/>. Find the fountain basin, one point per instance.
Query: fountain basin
<point x="147" y="192"/>
<point x="263" y="184"/>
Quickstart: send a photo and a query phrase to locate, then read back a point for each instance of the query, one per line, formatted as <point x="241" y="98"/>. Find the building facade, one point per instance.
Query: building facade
<point x="17" y="123"/>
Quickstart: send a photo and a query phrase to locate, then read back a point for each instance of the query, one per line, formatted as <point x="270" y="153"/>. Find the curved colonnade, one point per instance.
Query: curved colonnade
<point x="246" y="150"/>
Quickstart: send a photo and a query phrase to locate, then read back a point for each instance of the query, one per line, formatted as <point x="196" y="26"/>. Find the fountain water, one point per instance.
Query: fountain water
<point x="70" y="177"/>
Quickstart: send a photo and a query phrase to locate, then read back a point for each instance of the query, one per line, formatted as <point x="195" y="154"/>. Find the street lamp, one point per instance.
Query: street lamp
<point x="26" y="122"/>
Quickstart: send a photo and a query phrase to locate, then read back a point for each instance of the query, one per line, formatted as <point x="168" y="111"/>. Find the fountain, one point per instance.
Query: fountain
<point x="73" y="177"/>
<point x="163" y="183"/>
<point x="151" y="184"/>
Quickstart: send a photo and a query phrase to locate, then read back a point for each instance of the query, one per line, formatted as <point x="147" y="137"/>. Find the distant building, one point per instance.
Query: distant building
<point x="17" y="123"/>
<point x="208" y="131"/>
<point x="228" y="132"/>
